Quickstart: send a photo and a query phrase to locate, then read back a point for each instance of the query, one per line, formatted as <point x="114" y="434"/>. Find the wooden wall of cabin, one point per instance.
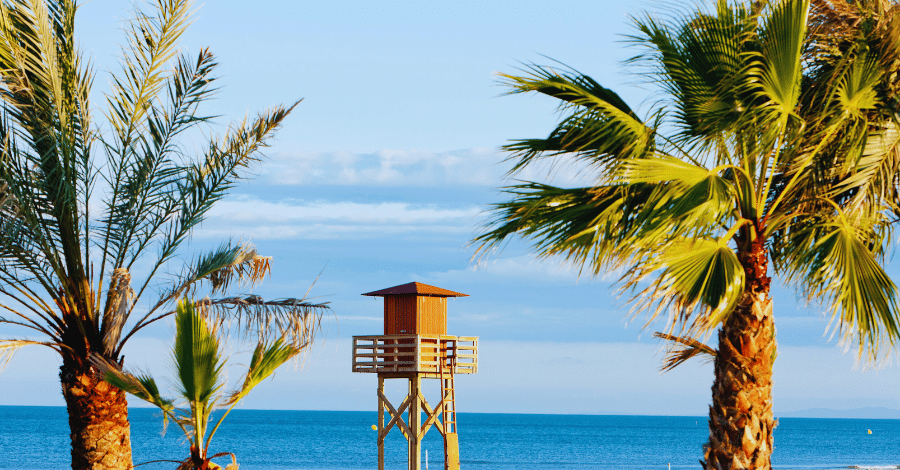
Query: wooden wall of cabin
<point x="399" y="315"/>
<point x="412" y="315"/>
<point x="432" y="316"/>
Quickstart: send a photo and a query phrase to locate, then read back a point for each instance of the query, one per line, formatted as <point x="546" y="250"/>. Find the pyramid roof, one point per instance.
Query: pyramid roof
<point x="416" y="288"/>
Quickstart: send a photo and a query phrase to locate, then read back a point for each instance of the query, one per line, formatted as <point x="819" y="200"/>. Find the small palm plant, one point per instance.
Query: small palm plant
<point x="198" y="360"/>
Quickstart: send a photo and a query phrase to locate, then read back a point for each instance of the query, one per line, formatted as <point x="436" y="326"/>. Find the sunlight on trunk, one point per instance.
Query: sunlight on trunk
<point x="98" y="421"/>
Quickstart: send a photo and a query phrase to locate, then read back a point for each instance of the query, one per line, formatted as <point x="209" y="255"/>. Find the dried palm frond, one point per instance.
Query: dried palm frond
<point x="246" y="267"/>
<point x="9" y="347"/>
<point x="296" y="320"/>
<point x="683" y="349"/>
<point x="120" y="295"/>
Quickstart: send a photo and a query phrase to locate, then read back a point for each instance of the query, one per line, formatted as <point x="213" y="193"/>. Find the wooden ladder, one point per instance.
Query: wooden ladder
<point x="448" y="414"/>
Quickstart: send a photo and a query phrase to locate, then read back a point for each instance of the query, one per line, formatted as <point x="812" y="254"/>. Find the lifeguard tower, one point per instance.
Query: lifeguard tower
<point x="415" y="346"/>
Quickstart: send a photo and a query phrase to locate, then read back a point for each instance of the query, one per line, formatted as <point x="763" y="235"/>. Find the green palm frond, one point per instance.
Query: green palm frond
<point x="197" y="356"/>
<point x="229" y="263"/>
<point x="145" y="184"/>
<point x="699" y="281"/>
<point x="856" y="92"/>
<point x="208" y="181"/>
<point x="833" y="261"/>
<point x="142" y="386"/>
<point x="702" y="56"/>
<point x="662" y="169"/>
<point x="600" y="129"/>
<point x="782" y="40"/>
<point x="152" y="43"/>
<point x="265" y="360"/>
<point x="220" y="268"/>
<point x="199" y="369"/>
<point x="584" y="225"/>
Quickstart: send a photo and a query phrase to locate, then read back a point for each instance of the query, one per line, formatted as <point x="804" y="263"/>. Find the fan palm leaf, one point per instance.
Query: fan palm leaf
<point x="776" y="140"/>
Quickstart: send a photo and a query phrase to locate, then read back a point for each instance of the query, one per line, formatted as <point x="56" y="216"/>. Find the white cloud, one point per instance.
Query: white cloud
<point x="468" y="167"/>
<point x="294" y="219"/>
<point x="522" y="267"/>
<point x="414" y="168"/>
<point x="252" y="209"/>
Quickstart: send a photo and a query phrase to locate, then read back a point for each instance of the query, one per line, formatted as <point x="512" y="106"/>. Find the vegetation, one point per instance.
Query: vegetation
<point x="198" y="361"/>
<point x="776" y="139"/>
<point x="83" y="212"/>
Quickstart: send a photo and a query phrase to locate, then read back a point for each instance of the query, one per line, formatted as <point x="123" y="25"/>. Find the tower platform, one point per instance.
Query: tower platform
<point x="406" y="356"/>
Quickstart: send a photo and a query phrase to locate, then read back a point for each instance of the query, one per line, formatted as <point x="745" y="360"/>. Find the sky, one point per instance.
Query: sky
<point x="383" y="175"/>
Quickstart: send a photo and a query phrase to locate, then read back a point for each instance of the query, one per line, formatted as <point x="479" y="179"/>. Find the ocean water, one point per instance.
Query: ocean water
<point x="37" y="438"/>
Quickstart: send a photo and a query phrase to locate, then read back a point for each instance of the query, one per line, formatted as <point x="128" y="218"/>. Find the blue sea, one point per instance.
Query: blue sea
<point x="37" y="438"/>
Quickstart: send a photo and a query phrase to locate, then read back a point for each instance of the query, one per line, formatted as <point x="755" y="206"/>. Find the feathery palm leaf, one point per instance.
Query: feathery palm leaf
<point x="81" y="209"/>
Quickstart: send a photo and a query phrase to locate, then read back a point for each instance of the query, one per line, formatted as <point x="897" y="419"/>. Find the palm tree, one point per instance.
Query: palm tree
<point x="198" y="361"/>
<point x="776" y="139"/>
<point x="85" y="211"/>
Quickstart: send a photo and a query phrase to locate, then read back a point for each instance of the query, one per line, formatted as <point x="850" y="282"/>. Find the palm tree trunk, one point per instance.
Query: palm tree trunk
<point x="98" y="420"/>
<point x="740" y="417"/>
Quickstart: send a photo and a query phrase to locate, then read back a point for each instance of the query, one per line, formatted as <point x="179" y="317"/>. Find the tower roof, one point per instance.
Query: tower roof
<point x="416" y="288"/>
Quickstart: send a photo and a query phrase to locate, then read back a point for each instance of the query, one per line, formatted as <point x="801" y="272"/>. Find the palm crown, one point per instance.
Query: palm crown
<point x="82" y="211"/>
<point x="763" y="146"/>
<point x="776" y="138"/>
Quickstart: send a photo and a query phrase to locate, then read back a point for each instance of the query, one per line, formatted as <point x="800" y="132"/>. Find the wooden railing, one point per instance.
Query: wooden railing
<point x="422" y="354"/>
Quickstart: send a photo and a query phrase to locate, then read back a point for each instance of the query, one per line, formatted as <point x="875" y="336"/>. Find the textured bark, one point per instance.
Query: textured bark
<point x="740" y="417"/>
<point x="98" y="420"/>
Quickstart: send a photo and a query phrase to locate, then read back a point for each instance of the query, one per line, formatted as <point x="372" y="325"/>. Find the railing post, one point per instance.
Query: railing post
<point x="418" y="353"/>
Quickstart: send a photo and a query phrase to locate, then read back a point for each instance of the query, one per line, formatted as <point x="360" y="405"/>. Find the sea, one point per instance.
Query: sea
<point x="37" y="438"/>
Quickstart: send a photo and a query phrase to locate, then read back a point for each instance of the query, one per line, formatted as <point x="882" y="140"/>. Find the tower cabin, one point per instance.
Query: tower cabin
<point x="415" y="340"/>
<point x="415" y="346"/>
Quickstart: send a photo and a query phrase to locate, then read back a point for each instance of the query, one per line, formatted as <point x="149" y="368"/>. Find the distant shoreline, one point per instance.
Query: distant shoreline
<point x="868" y="413"/>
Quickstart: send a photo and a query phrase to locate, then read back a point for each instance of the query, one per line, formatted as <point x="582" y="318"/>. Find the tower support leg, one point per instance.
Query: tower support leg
<point x="380" y="423"/>
<point x="415" y="408"/>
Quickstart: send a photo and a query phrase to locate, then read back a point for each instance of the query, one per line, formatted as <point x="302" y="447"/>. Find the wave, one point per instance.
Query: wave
<point x="872" y="467"/>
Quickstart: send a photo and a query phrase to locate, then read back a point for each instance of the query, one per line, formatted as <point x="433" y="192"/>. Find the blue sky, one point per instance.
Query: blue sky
<point x="382" y="175"/>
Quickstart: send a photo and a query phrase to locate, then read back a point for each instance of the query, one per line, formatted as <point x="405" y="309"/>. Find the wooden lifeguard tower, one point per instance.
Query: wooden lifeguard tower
<point x="415" y="346"/>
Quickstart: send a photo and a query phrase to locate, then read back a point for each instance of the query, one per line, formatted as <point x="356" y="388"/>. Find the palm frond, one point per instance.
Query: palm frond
<point x="147" y="183"/>
<point x="601" y="128"/>
<point x="782" y="39"/>
<point x="699" y="281"/>
<point x="265" y="360"/>
<point x="9" y="347"/>
<point x="221" y="267"/>
<point x="208" y="181"/>
<point x="702" y="56"/>
<point x="120" y="298"/>
<point x="683" y="348"/>
<point x="834" y="264"/>
<point x="295" y="320"/>
<point x="142" y="386"/>
<point x="152" y="43"/>
<point x="196" y="355"/>
<point x="584" y="225"/>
